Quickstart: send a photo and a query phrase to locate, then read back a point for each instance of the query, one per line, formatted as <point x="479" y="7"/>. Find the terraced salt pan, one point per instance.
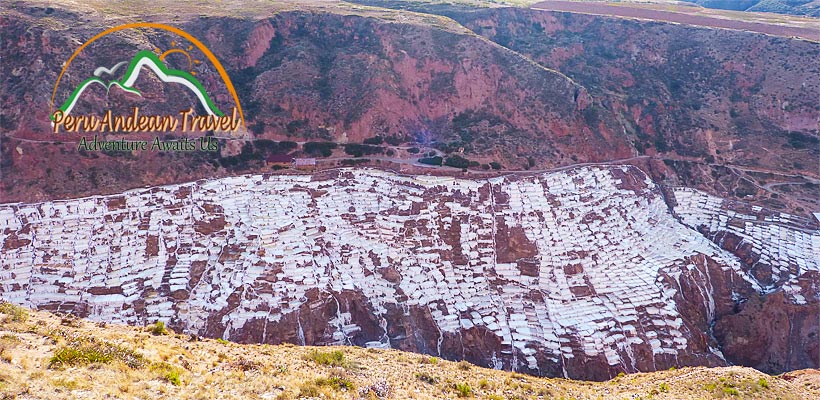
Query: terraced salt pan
<point x="590" y="284"/>
<point x="781" y="240"/>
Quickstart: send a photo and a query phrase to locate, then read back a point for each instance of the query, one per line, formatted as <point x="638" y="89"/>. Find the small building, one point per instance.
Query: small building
<point x="282" y="160"/>
<point x="304" y="162"/>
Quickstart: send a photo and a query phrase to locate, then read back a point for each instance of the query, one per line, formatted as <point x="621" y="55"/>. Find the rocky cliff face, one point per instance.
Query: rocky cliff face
<point x="731" y="113"/>
<point x="690" y="90"/>
<point x="301" y="76"/>
<point x="703" y="99"/>
<point x="763" y="241"/>
<point x="583" y="273"/>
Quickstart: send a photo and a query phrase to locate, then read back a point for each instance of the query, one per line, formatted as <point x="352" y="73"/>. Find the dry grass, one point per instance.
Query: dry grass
<point x="173" y="12"/>
<point x="128" y="363"/>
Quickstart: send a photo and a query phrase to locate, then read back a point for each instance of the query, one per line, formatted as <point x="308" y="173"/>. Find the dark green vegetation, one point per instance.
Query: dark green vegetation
<point x="323" y="149"/>
<point x="358" y="150"/>
<point x="158" y="328"/>
<point x="351" y="162"/>
<point x="457" y="161"/>
<point x="435" y="160"/>
<point x="252" y="155"/>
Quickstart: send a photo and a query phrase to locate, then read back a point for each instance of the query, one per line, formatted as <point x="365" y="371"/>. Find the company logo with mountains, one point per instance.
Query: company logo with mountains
<point x="202" y="115"/>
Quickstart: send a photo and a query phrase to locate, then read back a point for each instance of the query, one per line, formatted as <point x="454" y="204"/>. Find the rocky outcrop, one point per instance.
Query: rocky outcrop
<point x="583" y="273"/>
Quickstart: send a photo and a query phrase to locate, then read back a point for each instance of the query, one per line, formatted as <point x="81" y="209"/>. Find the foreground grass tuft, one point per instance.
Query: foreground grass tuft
<point x="763" y="383"/>
<point x="158" y="328"/>
<point x="428" y="360"/>
<point x="83" y="351"/>
<point x="167" y="372"/>
<point x="427" y="378"/>
<point x="464" y="390"/>
<point x="15" y="313"/>
<point x="335" y="358"/>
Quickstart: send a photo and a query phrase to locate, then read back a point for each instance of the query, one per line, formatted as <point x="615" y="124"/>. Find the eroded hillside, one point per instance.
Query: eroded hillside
<point x="732" y="113"/>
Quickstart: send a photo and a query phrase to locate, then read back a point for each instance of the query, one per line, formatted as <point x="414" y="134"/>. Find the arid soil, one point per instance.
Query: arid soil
<point x="680" y="15"/>
<point x="169" y="365"/>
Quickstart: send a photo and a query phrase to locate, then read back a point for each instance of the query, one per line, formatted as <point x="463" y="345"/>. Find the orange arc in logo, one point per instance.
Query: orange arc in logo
<point x="172" y="51"/>
<point x="222" y="73"/>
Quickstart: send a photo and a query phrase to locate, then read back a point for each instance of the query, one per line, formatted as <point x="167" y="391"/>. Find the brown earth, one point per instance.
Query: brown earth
<point x="679" y="16"/>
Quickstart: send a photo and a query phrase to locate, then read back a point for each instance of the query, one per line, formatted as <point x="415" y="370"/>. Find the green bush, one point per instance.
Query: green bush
<point x="763" y="383"/>
<point x="336" y="382"/>
<point x="349" y="162"/>
<point x="325" y="149"/>
<point x="334" y="358"/>
<point x="158" y="328"/>
<point x="464" y="390"/>
<point x="663" y="387"/>
<point x="295" y="125"/>
<point x="167" y="372"/>
<point x="358" y="150"/>
<point x="457" y="161"/>
<point x="435" y="160"/>
<point x="428" y="360"/>
<point x="730" y="391"/>
<point x="173" y="377"/>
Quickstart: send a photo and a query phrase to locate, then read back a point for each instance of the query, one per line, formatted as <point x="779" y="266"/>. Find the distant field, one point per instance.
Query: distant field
<point x="683" y="15"/>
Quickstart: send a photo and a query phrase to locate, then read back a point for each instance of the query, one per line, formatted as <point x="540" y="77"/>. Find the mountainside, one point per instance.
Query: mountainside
<point x="729" y="112"/>
<point x="335" y="77"/>
<point x="524" y="273"/>
<point x="554" y="193"/>
<point x="43" y="356"/>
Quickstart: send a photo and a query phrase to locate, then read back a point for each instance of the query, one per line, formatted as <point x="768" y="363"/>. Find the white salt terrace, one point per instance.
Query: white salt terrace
<point x="777" y="237"/>
<point x="597" y="252"/>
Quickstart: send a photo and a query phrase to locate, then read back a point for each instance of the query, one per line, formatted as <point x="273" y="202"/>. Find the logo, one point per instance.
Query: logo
<point x="133" y="96"/>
